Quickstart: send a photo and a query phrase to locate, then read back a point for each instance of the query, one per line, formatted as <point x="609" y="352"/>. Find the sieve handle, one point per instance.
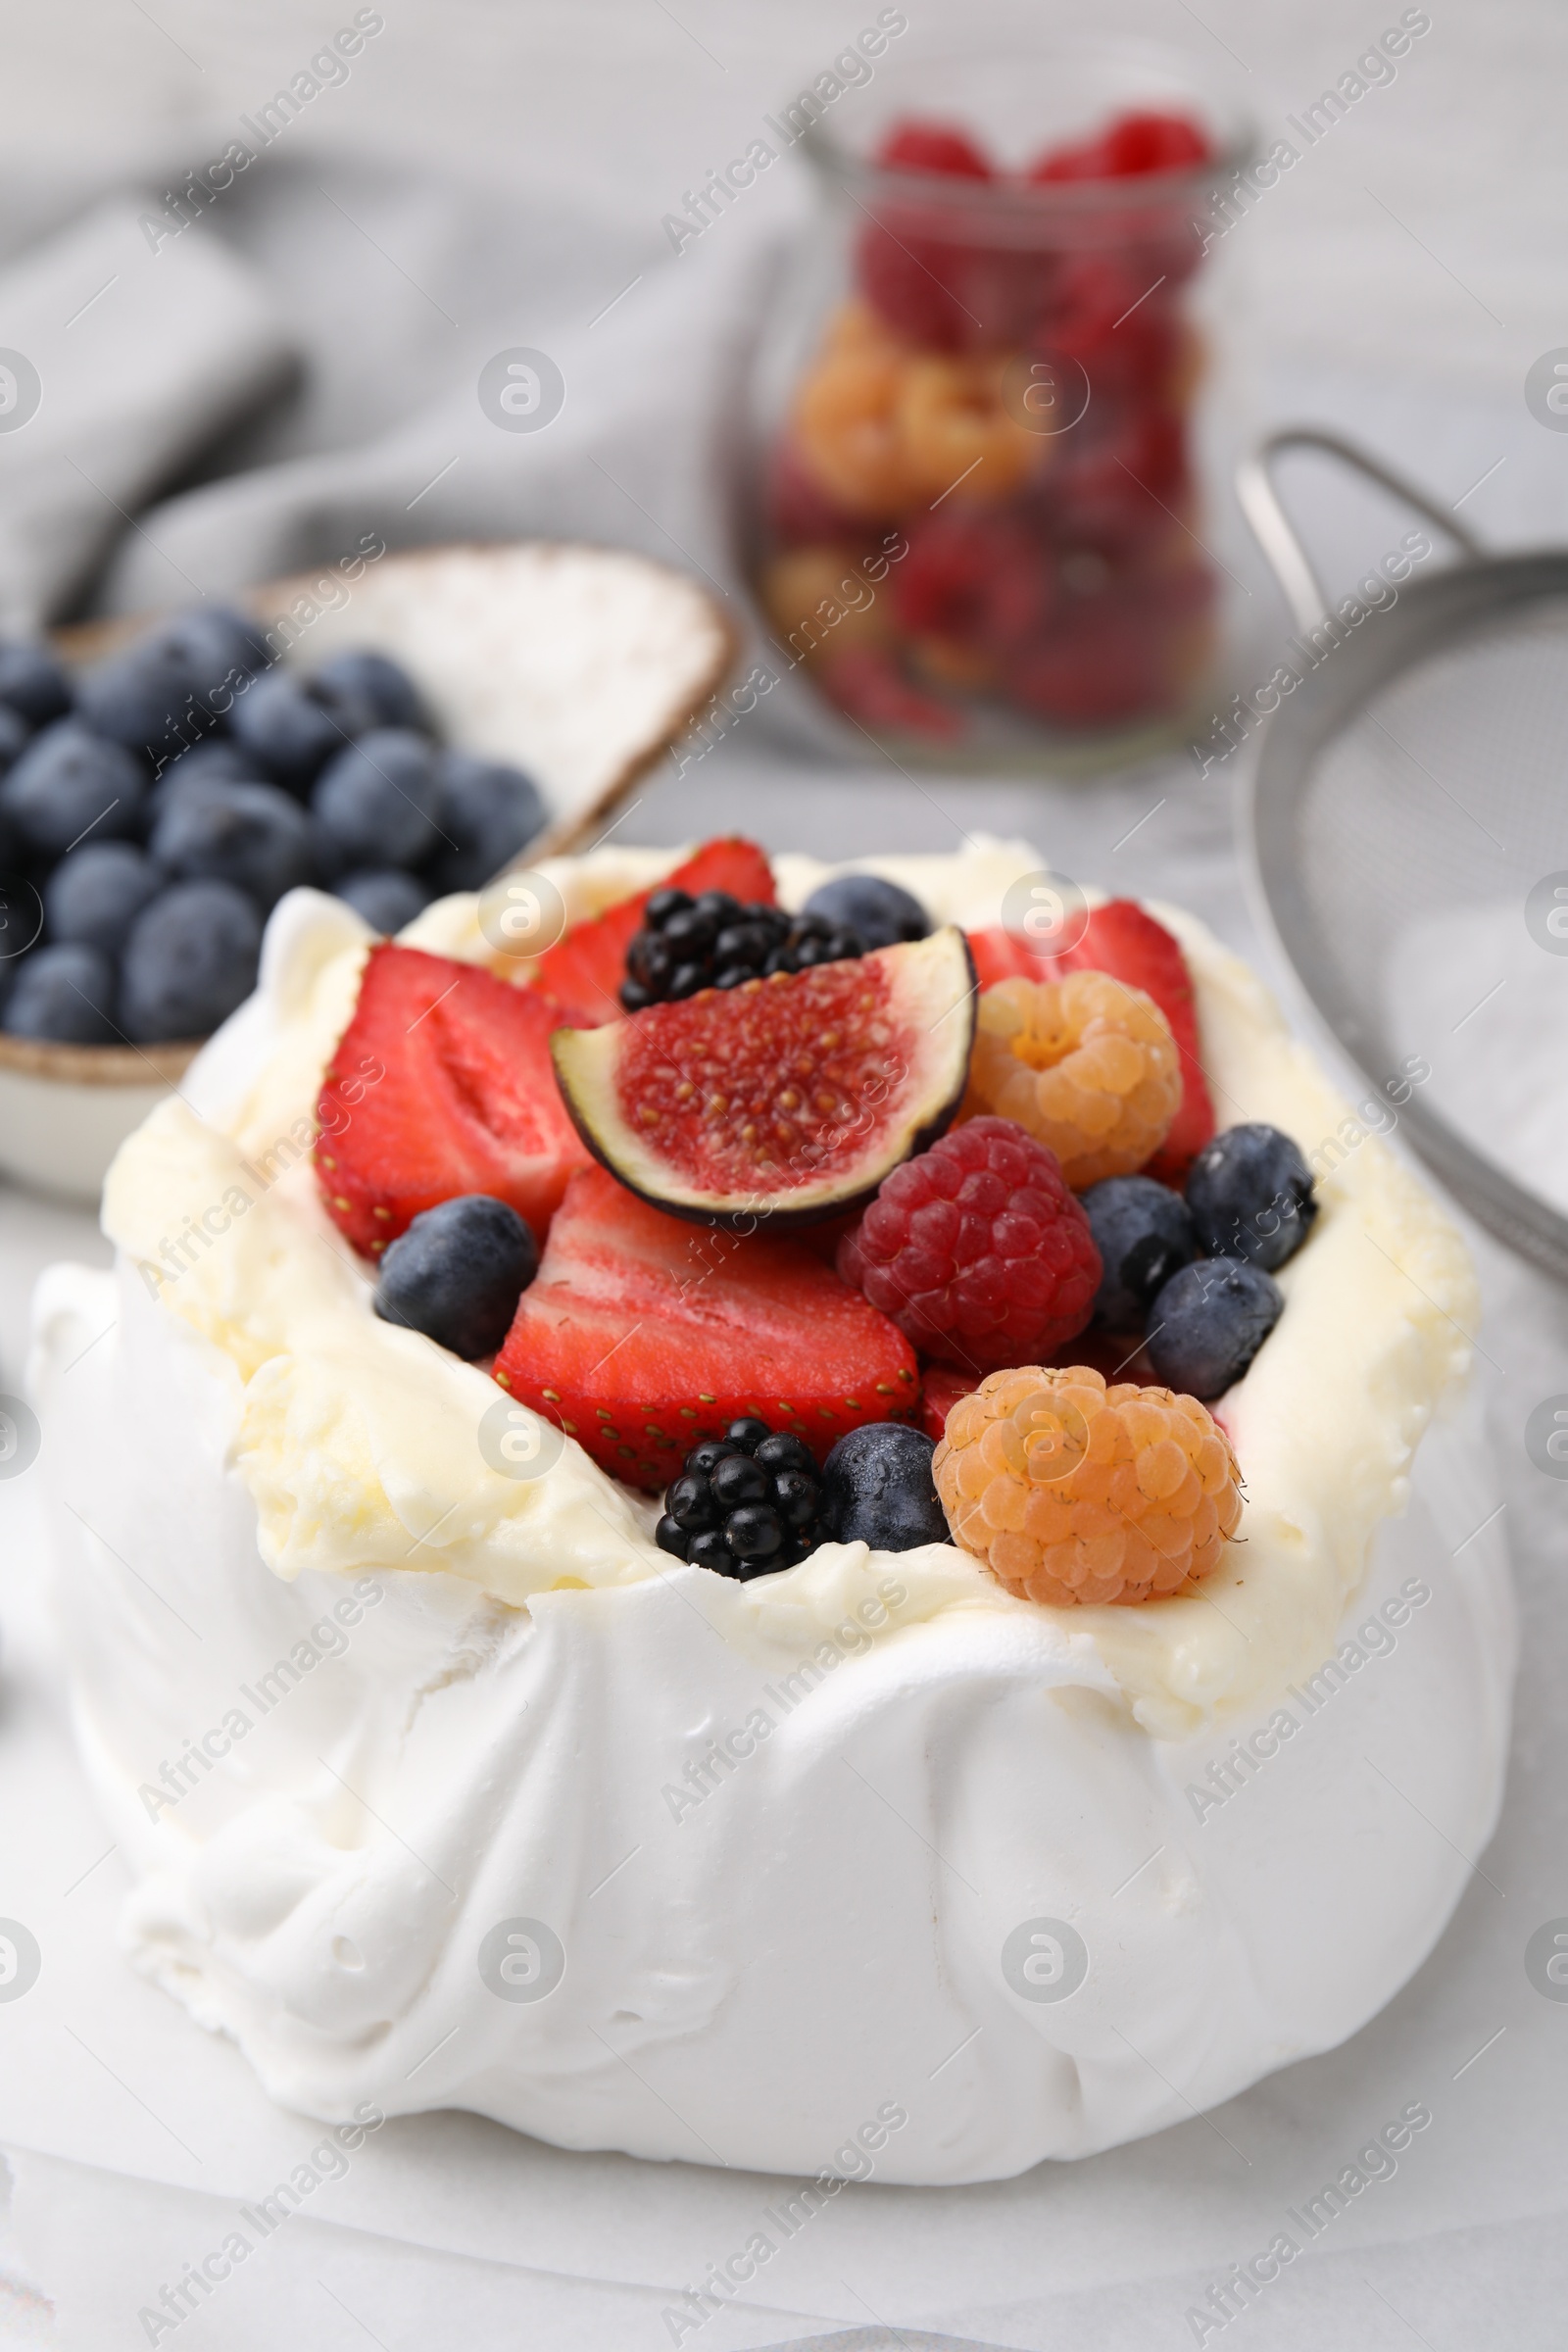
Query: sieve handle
<point x="1276" y="534"/>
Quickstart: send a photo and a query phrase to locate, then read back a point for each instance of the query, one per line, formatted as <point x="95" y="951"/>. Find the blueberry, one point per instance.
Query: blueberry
<point x="364" y="690"/>
<point x="63" y="993"/>
<point x="1208" y="1322"/>
<point x="488" y="813"/>
<point x="68" y="782"/>
<point x="457" y="1272"/>
<point x="220" y="646"/>
<point x="94" y="895"/>
<point x="386" y="898"/>
<point x="14" y="734"/>
<point x="1143" y="1235"/>
<point x="877" y="1488"/>
<point x="21" y="907"/>
<point x="218" y="761"/>
<point x="189" y="962"/>
<point x="285" y="731"/>
<point x="253" y="835"/>
<point x="880" y="911"/>
<point x="333" y="862"/>
<point x="33" y="683"/>
<point x="149" y="697"/>
<point x="377" y="800"/>
<point x="1250" y="1193"/>
<point x="179" y="682"/>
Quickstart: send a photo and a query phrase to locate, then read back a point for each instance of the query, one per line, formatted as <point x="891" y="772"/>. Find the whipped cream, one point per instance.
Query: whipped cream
<point x="930" y="1764"/>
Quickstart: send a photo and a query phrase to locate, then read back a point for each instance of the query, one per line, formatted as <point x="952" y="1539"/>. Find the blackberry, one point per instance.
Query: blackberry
<point x="746" y="1504"/>
<point x="688" y="943"/>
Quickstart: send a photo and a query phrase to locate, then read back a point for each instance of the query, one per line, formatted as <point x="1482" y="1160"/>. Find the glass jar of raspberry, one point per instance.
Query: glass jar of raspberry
<point x="980" y="523"/>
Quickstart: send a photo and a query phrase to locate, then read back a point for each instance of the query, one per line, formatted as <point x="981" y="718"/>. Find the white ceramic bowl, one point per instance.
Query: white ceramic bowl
<point x="579" y="664"/>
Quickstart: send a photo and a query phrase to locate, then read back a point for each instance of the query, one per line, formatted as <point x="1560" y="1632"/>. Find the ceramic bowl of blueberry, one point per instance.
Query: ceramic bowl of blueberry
<point x="162" y="787"/>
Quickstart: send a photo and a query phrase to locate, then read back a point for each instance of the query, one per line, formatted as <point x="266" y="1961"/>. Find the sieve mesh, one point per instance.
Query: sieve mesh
<point x="1407" y="801"/>
<point x="1447" y="792"/>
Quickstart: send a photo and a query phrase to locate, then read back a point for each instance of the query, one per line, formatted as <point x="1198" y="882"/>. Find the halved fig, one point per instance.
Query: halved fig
<point x="789" y="1098"/>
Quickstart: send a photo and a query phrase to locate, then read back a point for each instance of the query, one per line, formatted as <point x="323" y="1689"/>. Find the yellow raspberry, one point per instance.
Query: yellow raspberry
<point x="1086" y="1064"/>
<point x="1072" y="1491"/>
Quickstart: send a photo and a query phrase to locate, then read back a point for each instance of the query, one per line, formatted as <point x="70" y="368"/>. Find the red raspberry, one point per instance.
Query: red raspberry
<point x="918" y="145"/>
<point x="943" y="290"/>
<point x="865" y="680"/>
<point x="977" y="1250"/>
<point x="1116" y="492"/>
<point x="1126" y="149"/>
<point x="801" y="512"/>
<point x="1112" y="314"/>
<point x="980" y="579"/>
<point x="946" y="291"/>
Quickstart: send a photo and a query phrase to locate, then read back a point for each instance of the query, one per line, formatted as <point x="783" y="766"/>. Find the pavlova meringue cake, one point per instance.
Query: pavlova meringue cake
<point x="470" y="1742"/>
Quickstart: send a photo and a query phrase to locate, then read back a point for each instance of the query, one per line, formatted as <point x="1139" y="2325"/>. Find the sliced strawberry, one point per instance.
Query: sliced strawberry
<point x="582" y="972"/>
<point x="1002" y="954"/>
<point x="643" y="1334"/>
<point x="467" y="1100"/>
<point x="1122" y="939"/>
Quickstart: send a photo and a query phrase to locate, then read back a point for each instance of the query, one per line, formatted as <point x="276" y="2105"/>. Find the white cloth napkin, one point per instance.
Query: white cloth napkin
<point x="120" y="358"/>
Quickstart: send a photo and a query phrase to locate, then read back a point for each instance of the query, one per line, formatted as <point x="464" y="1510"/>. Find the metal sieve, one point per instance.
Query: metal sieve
<point x="1407" y="822"/>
